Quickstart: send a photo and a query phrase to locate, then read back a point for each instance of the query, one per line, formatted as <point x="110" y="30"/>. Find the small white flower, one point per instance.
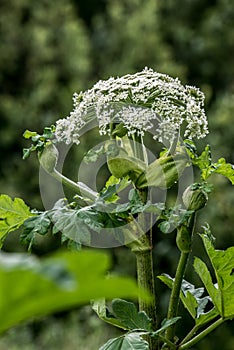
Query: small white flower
<point x="137" y="101"/>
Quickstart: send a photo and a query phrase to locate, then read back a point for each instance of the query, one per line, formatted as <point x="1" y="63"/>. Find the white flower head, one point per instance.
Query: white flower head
<point x="137" y="101"/>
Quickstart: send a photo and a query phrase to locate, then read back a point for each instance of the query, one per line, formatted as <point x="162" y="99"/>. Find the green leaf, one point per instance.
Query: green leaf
<point x="128" y="315"/>
<point x="99" y="306"/>
<point x="68" y="222"/>
<point x="31" y="287"/>
<point x="38" y="141"/>
<point x="29" y="134"/>
<point x="165" y="324"/>
<point x="39" y="224"/>
<point x="225" y="169"/>
<point x="130" y="341"/>
<point x="13" y="214"/>
<point x="222" y="293"/>
<point x="204" y="162"/>
<point x="109" y="193"/>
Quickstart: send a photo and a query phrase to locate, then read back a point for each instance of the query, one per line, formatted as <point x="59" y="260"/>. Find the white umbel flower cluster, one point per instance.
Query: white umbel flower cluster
<point x="137" y="101"/>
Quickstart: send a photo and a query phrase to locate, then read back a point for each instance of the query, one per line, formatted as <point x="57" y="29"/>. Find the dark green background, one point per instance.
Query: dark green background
<point x="49" y="49"/>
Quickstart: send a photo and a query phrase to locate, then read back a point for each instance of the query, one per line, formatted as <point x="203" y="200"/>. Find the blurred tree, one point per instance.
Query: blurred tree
<point x="44" y="58"/>
<point x="201" y="35"/>
<point x="127" y="37"/>
<point x="47" y="53"/>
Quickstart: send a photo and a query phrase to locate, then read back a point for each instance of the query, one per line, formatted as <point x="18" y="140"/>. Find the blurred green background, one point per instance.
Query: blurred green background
<point x="49" y="50"/>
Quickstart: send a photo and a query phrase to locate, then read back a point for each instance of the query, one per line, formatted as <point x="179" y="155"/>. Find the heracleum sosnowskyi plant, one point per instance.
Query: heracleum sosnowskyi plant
<point x="127" y="110"/>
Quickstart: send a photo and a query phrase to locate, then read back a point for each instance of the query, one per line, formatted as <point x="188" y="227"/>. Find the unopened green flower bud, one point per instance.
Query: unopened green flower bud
<point x="195" y="197"/>
<point x="163" y="172"/>
<point x="121" y="165"/>
<point x="48" y="158"/>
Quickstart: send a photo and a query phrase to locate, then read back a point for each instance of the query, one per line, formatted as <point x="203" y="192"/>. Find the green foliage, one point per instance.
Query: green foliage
<point x="225" y="169"/>
<point x="38" y="141"/>
<point x="124" y="315"/>
<point x="61" y="281"/>
<point x="77" y="223"/>
<point x="165" y="324"/>
<point x="171" y="218"/>
<point x="205" y="164"/>
<point x="133" y="340"/>
<point x="13" y="214"/>
<point x="99" y="306"/>
<point x="37" y="224"/>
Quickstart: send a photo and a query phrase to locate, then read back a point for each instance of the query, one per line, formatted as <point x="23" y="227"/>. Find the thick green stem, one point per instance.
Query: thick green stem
<point x="201" y="335"/>
<point x="145" y="273"/>
<point x="145" y="278"/>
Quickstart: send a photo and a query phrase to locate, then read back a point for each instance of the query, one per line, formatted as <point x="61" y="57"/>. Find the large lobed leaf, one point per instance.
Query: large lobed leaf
<point x="30" y="287"/>
<point x="222" y="293"/>
<point x="124" y="315"/>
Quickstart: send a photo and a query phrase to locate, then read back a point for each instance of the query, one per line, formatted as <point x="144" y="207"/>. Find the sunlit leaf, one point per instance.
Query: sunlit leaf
<point x="225" y="169"/>
<point x="29" y="134"/>
<point x="13" y="214"/>
<point x="204" y="162"/>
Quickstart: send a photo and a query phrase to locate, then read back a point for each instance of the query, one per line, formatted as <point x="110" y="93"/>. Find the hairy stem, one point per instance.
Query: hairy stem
<point x="145" y="277"/>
